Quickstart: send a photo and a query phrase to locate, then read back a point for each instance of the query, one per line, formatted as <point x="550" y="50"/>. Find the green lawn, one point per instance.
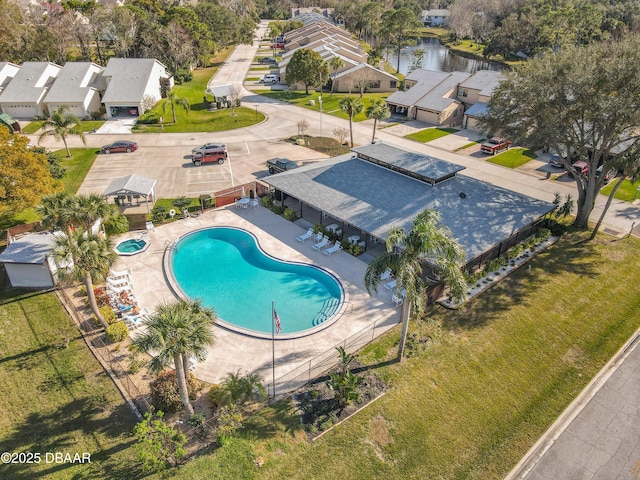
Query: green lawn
<point x="57" y="398"/>
<point x="199" y="119"/>
<point x="85" y="126"/>
<point x="492" y="379"/>
<point x="429" y="134"/>
<point x="330" y="104"/>
<point x="513" y="158"/>
<point x="627" y="192"/>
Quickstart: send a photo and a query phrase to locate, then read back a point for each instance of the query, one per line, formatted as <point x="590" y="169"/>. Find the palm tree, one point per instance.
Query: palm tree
<point x="428" y="241"/>
<point x="336" y="63"/>
<point x="89" y="259"/>
<point x="60" y="125"/>
<point x="90" y="208"/>
<point x="237" y="388"/>
<point x="351" y="106"/>
<point x="173" y="100"/>
<point x="173" y="331"/>
<point x="378" y="110"/>
<point x="57" y="210"/>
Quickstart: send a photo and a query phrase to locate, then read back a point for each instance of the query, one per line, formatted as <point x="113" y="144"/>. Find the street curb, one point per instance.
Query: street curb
<point x="546" y="441"/>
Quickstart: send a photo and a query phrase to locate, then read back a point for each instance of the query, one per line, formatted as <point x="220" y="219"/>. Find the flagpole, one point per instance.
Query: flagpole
<point x="273" y="350"/>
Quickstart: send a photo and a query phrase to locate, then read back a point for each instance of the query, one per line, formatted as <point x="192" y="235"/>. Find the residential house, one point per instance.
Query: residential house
<point x="364" y="76"/>
<point x="78" y="87"/>
<point x="23" y="97"/>
<point x="326" y="14"/>
<point x="129" y="81"/>
<point x="435" y="17"/>
<point x="430" y="96"/>
<point x="475" y="93"/>
<point x="8" y="70"/>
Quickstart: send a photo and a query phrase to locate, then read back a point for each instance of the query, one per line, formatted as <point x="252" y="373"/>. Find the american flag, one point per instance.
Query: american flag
<point x="276" y="319"/>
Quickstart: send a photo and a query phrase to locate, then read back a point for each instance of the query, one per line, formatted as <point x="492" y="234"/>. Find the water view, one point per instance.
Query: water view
<point x="438" y="57"/>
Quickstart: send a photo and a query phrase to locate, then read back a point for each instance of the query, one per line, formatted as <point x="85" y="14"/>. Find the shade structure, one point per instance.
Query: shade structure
<point x="132" y="186"/>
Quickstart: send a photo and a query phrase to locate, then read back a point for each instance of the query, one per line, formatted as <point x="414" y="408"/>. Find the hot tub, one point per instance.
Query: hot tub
<point x="132" y="246"/>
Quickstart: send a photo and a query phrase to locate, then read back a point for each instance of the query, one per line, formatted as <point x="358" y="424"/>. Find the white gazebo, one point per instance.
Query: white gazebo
<point x="130" y="188"/>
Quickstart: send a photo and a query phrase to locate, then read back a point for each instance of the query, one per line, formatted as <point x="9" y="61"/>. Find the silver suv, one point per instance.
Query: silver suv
<point x="209" y="148"/>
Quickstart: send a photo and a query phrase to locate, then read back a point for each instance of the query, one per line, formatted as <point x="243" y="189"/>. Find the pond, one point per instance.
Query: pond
<point x="438" y="57"/>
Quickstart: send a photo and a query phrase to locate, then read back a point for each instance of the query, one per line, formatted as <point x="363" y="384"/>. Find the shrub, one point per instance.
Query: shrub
<point x="182" y="76"/>
<point x="277" y="209"/>
<point x="181" y="203"/>
<point x="318" y="228"/>
<point x="116" y="224"/>
<point x="135" y="363"/>
<point x="266" y="201"/>
<point x="514" y="252"/>
<point x="159" y="213"/>
<point x="289" y="214"/>
<point x="149" y="118"/>
<point x="116" y="332"/>
<point x="164" y="391"/>
<point x="108" y="314"/>
<point x="543" y="233"/>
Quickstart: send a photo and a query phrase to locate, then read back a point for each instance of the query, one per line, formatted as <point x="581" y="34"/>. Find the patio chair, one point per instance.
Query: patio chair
<point x="336" y="248"/>
<point x="391" y="285"/>
<point x="254" y="203"/>
<point x="386" y="275"/>
<point x="399" y="299"/>
<point x="305" y="236"/>
<point x="321" y="244"/>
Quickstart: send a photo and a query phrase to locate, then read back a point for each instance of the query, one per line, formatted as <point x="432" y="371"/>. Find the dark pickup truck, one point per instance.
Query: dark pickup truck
<point x="277" y="165"/>
<point x="495" y="145"/>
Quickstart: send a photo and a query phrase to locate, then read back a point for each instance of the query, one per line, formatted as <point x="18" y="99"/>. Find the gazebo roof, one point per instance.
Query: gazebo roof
<point x="131" y="185"/>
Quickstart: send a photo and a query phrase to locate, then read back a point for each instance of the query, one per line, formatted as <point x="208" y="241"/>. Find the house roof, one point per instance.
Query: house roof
<point x="30" y="249"/>
<point x="485" y="81"/>
<point x="219" y="91"/>
<point x="131" y="185"/>
<point x="478" y="109"/>
<point x="425" y="80"/>
<point x="7" y="72"/>
<point x="441" y="12"/>
<point x="129" y="78"/>
<point x="361" y="66"/>
<point x="75" y="81"/>
<point x="436" y="99"/>
<point x="375" y="199"/>
<point x="30" y="83"/>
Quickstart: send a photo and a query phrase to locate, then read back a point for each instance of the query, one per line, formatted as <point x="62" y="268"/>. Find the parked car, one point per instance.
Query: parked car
<point x="269" y="79"/>
<point x="120" y="146"/>
<point x="267" y="60"/>
<point x="556" y="161"/>
<point x="218" y="157"/>
<point x="581" y="167"/>
<point x="209" y="148"/>
<point x="277" y="44"/>
<point x="277" y="165"/>
<point x="495" y="145"/>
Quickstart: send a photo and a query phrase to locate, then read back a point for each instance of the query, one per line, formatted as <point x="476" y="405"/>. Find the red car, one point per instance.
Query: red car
<point x="209" y="157"/>
<point x="121" y="146"/>
<point x="495" y="145"/>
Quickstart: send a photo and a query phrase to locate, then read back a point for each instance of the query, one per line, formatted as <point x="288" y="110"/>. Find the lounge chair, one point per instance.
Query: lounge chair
<point x="305" y="236"/>
<point x="321" y="244"/>
<point x="336" y="248"/>
<point x="390" y="285"/>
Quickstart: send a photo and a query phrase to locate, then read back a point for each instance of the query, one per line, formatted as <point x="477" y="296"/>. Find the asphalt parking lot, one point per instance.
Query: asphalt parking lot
<point x="170" y="164"/>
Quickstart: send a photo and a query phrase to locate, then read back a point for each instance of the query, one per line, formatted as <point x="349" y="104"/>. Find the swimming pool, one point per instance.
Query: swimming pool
<point x="227" y="270"/>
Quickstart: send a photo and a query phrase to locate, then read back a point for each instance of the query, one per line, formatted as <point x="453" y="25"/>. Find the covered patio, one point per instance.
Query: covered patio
<point x="131" y="190"/>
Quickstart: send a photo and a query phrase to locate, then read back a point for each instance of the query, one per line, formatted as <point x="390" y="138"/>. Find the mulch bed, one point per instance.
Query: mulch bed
<point x="317" y="405"/>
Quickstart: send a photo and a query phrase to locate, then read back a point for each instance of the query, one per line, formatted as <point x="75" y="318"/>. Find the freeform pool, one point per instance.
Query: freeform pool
<point x="227" y="270"/>
<point x="132" y="246"/>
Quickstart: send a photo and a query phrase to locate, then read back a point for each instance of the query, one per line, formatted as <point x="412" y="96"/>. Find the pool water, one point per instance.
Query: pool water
<point x="226" y="269"/>
<point x="131" y="246"/>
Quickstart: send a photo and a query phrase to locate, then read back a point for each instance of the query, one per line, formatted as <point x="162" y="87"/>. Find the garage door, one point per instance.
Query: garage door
<point x="21" y="111"/>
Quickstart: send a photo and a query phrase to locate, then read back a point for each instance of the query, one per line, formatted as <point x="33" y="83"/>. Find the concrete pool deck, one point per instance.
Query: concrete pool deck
<point x="233" y="351"/>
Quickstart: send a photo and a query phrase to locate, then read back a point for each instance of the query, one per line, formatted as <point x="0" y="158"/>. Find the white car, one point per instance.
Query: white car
<point x="269" y="79"/>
